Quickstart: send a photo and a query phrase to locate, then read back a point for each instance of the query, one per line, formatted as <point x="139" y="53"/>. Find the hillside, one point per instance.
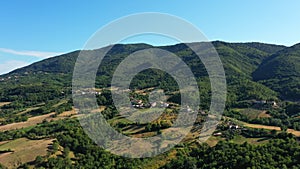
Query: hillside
<point x="281" y="72"/>
<point x="26" y="86"/>
<point x="241" y="57"/>
<point x="239" y="60"/>
<point x="40" y="128"/>
<point x="244" y="58"/>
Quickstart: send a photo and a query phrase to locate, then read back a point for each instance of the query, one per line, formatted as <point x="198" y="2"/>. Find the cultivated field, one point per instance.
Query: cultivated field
<point x="28" y="110"/>
<point x="253" y="113"/>
<point x="23" y="150"/>
<point x="264" y="114"/>
<point x="295" y="132"/>
<point x="259" y="126"/>
<point x="4" y="103"/>
<point x="67" y="113"/>
<point x="30" y="122"/>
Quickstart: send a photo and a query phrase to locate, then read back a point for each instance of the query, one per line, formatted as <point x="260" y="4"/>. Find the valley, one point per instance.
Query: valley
<point x="40" y="128"/>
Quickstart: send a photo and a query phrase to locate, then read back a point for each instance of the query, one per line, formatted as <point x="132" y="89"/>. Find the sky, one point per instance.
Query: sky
<point x="33" y="30"/>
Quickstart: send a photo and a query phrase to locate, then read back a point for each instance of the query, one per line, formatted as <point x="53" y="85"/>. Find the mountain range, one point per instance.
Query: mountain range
<point x="273" y="66"/>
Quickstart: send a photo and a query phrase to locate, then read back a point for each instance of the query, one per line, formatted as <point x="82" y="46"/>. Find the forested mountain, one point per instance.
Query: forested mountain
<point x="244" y="57"/>
<point x="281" y="72"/>
<point x="241" y="57"/>
<point x="239" y="60"/>
<point x="65" y="63"/>
<point x="50" y="80"/>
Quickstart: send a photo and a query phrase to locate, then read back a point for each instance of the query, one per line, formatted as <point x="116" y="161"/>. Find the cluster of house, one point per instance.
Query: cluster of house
<point x="190" y="110"/>
<point x="230" y="126"/>
<point x="88" y="92"/>
<point x="263" y="102"/>
<point x="9" y="77"/>
<point x="16" y="77"/>
<point x="141" y="104"/>
<point x="138" y="104"/>
<point x="160" y="104"/>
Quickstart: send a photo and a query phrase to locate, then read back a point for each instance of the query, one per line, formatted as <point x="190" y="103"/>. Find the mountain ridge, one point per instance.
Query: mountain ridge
<point x="76" y="52"/>
<point x="281" y="72"/>
<point x="239" y="60"/>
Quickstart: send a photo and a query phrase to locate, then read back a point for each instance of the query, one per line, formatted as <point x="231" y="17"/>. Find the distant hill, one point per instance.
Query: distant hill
<point x="240" y="60"/>
<point x="244" y="58"/>
<point x="65" y="63"/>
<point x="241" y="57"/>
<point x="281" y="72"/>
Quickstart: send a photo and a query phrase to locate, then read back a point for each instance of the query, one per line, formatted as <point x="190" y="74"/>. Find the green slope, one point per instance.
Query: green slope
<point x="49" y="81"/>
<point x="281" y="72"/>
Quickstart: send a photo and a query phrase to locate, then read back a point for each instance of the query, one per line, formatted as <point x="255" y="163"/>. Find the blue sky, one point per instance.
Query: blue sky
<point x="33" y="30"/>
